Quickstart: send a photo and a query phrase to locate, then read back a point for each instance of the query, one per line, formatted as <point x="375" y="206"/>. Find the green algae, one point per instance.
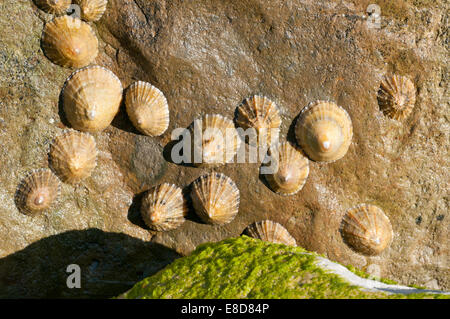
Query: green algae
<point x="248" y="268"/>
<point x="363" y="274"/>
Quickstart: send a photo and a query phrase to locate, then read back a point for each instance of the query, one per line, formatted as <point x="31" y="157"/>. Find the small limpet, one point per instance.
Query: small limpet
<point x="397" y="96"/>
<point x="216" y="143"/>
<point x="262" y="115"/>
<point x="215" y="198"/>
<point x="73" y="156"/>
<point x="147" y="108"/>
<point x="57" y="7"/>
<point x="92" y="10"/>
<point x="290" y="169"/>
<point x="37" y="191"/>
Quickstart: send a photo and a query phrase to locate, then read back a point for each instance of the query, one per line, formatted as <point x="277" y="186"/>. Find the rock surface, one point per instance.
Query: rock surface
<point x="249" y="268"/>
<point x="207" y="57"/>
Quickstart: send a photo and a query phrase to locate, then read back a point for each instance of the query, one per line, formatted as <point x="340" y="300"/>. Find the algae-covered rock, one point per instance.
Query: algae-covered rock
<point x="207" y="57"/>
<point x="249" y="268"/>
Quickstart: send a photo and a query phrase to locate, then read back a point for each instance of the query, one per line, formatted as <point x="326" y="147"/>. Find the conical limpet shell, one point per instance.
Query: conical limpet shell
<point x="261" y="114"/>
<point x="54" y="6"/>
<point x="324" y="131"/>
<point x="164" y="207"/>
<point x="69" y="42"/>
<point x="397" y="96"/>
<point x="147" y="108"/>
<point x="290" y="169"/>
<point x="73" y="156"/>
<point x="366" y="229"/>
<point x="92" y="10"/>
<point x="37" y="191"/>
<point x="215" y="198"/>
<point x="91" y="98"/>
<point x="217" y="142"/>
<point x="270" y="231"/>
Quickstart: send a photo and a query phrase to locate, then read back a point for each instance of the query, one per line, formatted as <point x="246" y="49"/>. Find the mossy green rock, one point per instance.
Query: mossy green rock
<point x="207" y="57"/>
<point x="248" y="268"/>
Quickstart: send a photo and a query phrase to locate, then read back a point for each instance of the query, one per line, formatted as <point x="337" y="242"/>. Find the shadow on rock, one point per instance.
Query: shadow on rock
<point x="134" y="212"/>
<point x="167" y="153"/>
<point x="122" y="122"/>
<point x="110" y="263"/>
<point x="191" y="215"/>
<point x="61" y="112"/>
<point x="291" y="132"/>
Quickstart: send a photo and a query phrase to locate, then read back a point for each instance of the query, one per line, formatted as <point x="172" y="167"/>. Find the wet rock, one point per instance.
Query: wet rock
<point x="207" y="57"/>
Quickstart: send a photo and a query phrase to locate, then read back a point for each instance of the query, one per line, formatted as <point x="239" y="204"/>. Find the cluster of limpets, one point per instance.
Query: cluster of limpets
<point x="91" y="99"/>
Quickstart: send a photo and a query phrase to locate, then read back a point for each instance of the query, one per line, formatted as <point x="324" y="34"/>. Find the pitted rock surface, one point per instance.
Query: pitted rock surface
<point x="207" y="57"/>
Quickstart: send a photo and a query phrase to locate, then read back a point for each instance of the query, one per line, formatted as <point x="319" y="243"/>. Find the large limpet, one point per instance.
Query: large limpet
<point x="91" y="98"/>
<point x="324" y="131"/>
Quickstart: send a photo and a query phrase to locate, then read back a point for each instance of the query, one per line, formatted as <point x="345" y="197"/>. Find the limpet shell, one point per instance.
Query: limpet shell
<point x="270" y="231"/>
<point x="261" y="114"/>
<point x="290" y="167"/>
<point x="396" y="96"/>
<point x="92" y="10"/>
<point x="73" y="156"/>
<point x="57" y="7"/>
<point x="37" y="191"/>
<point x="164" y="207"/>
<point x="324" y="131"/>
<point x="215" y="198"/>
<point x="366" y="229"/>
<point x="147" y="108"/>
<point x="69" y="42"/>
<point x="91" y="98"/>
<point x="217" y="142"/>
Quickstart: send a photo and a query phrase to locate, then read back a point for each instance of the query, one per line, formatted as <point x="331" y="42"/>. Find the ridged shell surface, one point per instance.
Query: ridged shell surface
<point x="73" y="156"/>
<point x="91" y="98"/>
<point x="37" y="191"/>
<point x="366" y="229"/>
<point x="397" y="96"/>
<point x="270" y="231"/>
<point x="216" y="143"/>
<point x="92" y="10"/>
<point x="57" y="7"/>
<point x="215" y="198"/>
<point x="164" y="207"/>
<point x="261" y="114"/>
<point x="69" y="42"/>
<point x="324" y="131"/>
<point x="290" y="169"/>
<point x="147" y="108"/>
